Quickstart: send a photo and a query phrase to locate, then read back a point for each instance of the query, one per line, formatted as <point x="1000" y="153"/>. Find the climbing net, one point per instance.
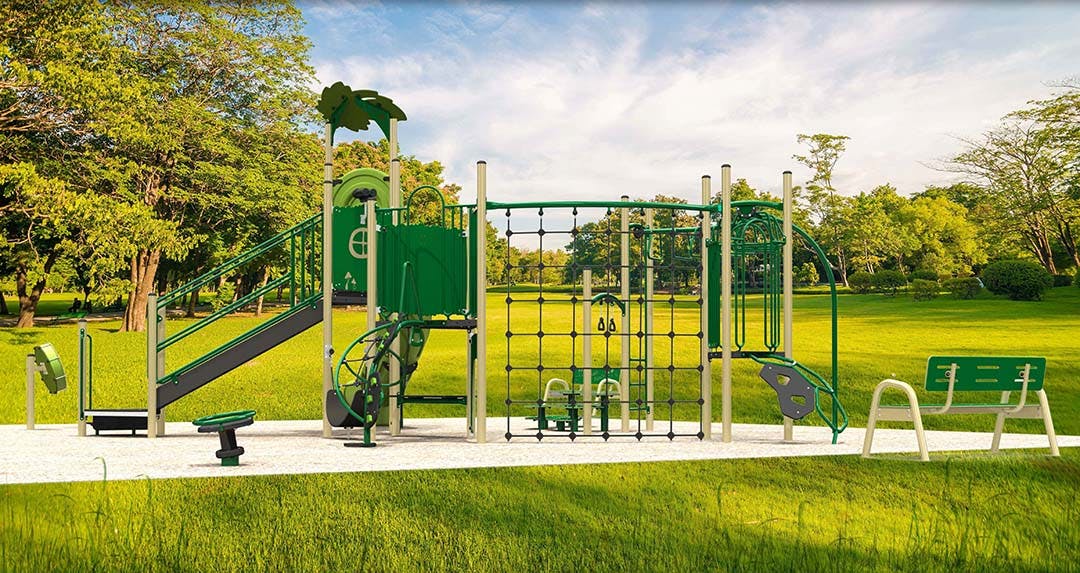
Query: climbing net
<point x="613" y="298"/>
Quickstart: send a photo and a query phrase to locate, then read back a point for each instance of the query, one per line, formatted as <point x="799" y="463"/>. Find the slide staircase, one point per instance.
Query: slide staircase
<point x="299" y="248"/>
<point x="297" y="251"/>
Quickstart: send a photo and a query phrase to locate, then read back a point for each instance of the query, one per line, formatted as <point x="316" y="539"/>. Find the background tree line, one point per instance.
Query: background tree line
<point x="142" y="144"/>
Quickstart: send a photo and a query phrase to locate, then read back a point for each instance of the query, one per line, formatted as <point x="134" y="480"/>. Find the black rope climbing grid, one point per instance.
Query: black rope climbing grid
<point x="542" y="257"/>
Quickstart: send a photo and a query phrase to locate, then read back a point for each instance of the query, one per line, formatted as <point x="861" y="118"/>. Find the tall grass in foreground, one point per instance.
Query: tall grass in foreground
<point x="1014" y="512"/>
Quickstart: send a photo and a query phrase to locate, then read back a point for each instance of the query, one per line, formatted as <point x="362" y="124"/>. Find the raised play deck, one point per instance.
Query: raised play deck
<point x="53" y="453"/>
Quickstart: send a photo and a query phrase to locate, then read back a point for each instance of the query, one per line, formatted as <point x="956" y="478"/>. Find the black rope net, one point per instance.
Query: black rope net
<point x="545" y="368"/>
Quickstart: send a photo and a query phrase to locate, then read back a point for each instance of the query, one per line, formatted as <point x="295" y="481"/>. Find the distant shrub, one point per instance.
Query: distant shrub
<point x="923" y="275"/>
<point x="1021" y="280"/>
<point x="806" y="274"/>
<point x="924" y="289"/>
<point x="888" y="282"/>
<point x="861" y="282"/>
<point x="964" y="288"/>
<point x="224" y="297"/>
<point x="1062" y="280"/>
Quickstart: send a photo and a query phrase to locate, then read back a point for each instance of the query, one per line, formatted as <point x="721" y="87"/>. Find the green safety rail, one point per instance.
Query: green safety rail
<point x="759" y="237"/>
<point x="754" y="220"/>
<point x="300" y="244"/>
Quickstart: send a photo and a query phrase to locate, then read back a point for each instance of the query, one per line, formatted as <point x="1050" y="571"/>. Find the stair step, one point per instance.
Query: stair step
<point x="453" y="400"/>
<point x="105" y="420"/>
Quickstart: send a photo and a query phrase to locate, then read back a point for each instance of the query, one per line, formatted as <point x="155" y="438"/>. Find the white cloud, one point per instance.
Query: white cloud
<point x="602" y="100"/>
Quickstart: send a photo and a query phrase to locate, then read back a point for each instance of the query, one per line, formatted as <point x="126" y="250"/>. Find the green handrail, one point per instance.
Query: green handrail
<point x="303" y="272"/>
<point x="175" y="374"/>
<point x="438" y="193"/>
<point x="245" y="257"/>
<point x="491" y="205"/>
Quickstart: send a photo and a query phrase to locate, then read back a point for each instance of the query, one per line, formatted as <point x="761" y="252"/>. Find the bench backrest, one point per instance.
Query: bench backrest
<point x="989" y="373"/>
<point x="598" y="374"/>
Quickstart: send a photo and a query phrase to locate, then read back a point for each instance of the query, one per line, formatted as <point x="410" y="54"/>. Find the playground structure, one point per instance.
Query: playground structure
<point x="645" y="362"/>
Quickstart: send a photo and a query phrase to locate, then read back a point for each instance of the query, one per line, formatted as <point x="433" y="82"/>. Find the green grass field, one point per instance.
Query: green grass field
<point x="879" y="337"/>
<point x="1014" y="511"/>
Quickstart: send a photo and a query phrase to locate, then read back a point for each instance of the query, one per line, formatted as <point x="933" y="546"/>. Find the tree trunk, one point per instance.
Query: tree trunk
<point x="3" y="304"/>
<point x="1068" y="241"/>
<point x="262" y="282"/>
<point x="28" y="299"/>
<point x="163" y="282"/>
<point x="842" y="263"/>
<point x="192" y="301"/>
<point x="144" y="267"/>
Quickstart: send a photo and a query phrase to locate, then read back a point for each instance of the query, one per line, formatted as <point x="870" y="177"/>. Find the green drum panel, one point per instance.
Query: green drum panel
<point x="436" y="283"/>
<point x="365" y="178"/>
<point x="350" y="227"/>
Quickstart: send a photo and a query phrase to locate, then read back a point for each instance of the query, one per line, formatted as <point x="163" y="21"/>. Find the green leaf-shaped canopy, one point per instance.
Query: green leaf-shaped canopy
<point x="342" y="106"/>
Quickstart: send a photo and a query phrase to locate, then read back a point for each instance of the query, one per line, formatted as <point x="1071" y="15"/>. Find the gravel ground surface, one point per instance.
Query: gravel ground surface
<point x="55" y="453"/>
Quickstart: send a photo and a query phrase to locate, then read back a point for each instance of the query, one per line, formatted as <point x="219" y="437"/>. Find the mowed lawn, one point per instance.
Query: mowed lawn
<point x="879" y="337"/>
<point x="1012" y="512"/>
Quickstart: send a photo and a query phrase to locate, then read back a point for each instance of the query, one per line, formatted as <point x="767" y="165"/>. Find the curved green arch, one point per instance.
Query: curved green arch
<point x="364" y="178"/>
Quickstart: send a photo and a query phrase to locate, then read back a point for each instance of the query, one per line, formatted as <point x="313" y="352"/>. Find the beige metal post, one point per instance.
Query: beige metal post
<point x="328" y="276"/>
<point x="393" y="141"/>
<point x="624" y="294"/>
<point x="151" y="366"/>
<point x="789" y="245"/>
<point x="706" y="367"/>
<point x="161" y="315"/>
<point x="725" y="302"/>
<point x="395" y="202"/>
<point x="84" y="371"/>
<point x="481" y="303"/>
<point x="31" y="374"/>
<point x="586" y="352"/>
<point x="649" y="290"/>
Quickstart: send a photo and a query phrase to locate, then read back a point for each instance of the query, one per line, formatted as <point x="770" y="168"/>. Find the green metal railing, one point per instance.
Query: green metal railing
<point x="302" y="244"/>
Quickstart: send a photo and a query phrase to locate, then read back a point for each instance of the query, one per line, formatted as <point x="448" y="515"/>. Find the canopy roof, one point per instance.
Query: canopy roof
<point x="342" y="106"/>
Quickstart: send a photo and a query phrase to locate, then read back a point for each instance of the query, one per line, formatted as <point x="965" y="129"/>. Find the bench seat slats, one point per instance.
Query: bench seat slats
<point x="984" y="374"/>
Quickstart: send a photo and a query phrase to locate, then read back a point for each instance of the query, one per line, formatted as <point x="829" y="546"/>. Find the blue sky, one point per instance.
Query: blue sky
<point x="572" y="100"/>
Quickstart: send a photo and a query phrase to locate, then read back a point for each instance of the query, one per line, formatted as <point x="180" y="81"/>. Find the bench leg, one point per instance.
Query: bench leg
<point x="916" y="416"/>
<point x="1044" y="406"/>
<point x="871" y="422"/>
<point x="999" y="424"/>
<point x="541" y="418"/>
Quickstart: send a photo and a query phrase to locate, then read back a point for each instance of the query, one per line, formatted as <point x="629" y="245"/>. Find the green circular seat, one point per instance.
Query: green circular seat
<point x="225" y="424"/>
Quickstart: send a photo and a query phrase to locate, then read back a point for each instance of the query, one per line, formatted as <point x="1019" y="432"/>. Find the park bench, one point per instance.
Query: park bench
<point x="606" y="382"/>
<point x="1002" y="375"/>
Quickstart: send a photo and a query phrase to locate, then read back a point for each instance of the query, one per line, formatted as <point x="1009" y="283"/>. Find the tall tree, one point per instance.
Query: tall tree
<point x="1031" y="177"/>
<point x="221" y="92"/>
<point x="58" y="74"/>
<point x="828" y="210"/>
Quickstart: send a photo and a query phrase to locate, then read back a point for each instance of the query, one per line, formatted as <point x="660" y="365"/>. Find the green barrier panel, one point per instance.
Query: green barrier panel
<point x="53" y="375"/>
<point x="435" y="278"/>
